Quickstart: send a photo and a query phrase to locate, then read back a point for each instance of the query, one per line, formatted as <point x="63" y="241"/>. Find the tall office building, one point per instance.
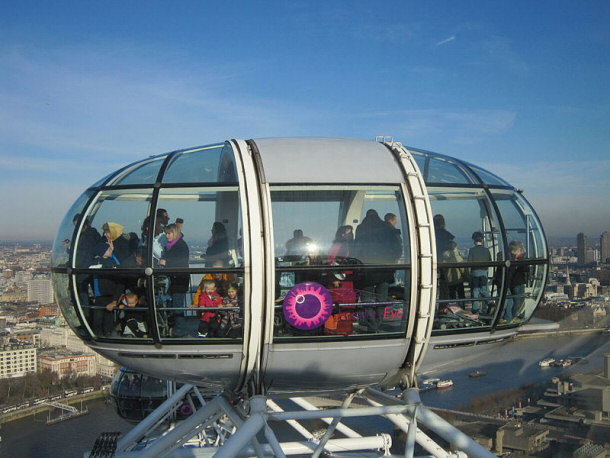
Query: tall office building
<point x="581" y="248"/>
<point x="604" y="247"/>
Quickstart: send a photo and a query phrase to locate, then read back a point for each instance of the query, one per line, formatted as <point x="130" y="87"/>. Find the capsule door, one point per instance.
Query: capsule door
<point x="340" y="306"/>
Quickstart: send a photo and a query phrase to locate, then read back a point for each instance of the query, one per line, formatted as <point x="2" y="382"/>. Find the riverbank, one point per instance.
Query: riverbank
<point x="29" y="411"/>
<point x="561" y="332"/>
<point x="31" y="437"/>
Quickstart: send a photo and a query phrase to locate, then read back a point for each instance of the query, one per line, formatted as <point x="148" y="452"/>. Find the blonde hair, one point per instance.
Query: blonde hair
<point x="131" y="296"/>
<point x="173" y="229"/>
<point x="206" y="283"/>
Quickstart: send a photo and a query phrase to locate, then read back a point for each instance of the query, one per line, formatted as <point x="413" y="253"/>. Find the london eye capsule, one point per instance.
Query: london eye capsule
<point x="297" y="264"/>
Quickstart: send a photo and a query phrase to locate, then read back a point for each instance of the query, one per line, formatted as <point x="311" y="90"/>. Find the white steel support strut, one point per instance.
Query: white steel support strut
<point x="255" y="426"/>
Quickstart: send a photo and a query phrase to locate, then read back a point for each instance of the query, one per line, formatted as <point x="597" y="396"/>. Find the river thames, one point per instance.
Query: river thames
<point x="514" y="365"/>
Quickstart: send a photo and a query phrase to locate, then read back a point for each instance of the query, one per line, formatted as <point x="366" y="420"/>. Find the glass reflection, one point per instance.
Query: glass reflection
<point x="209" y="164"/>
<point x="117" y="215"/>
<point x="467" y="246"/>
<point x="68" y="309"/>
<point x="143" y="172"/>
<point x="63" y="239"/>
<point x="212" y="309"/>
<point x="208" y="220"/>
<point x="351" y="284"/>
<point x="136" y="395"/>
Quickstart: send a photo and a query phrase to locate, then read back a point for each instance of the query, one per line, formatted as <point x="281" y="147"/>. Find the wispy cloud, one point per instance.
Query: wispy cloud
<point x="445" y="41"/>
<point x="108" y="103"/>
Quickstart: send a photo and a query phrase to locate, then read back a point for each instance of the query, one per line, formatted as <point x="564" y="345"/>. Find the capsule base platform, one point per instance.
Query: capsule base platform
<point x="261" y="426"/>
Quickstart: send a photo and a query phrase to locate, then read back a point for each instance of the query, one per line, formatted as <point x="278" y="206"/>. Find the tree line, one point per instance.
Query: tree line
<point x="42" y="384"/>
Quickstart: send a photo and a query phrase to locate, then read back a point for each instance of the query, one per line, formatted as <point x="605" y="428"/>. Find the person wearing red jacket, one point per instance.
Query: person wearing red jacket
<point x="208" y="297"/>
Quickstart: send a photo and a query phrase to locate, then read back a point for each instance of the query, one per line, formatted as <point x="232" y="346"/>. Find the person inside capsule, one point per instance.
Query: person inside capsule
<point x="517" y="279"/>
<point x="176" y="255"/>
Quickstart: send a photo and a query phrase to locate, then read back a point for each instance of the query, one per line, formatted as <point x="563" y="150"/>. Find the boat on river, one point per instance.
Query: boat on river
<point x="426" y="386"/>
<point x="442" y="384"/>
<point x="477" y="373"/>
<point x="548" y="362"/>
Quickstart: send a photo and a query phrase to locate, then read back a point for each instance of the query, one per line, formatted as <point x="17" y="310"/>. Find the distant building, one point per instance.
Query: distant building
<point x="53" y="336"/>
<point x="592" y="256"/>
<point x="40" y="290"/>
<point x="589" y="451"/>
<point x="603" y="275"/>
<point x="69" y="363"/>
<point x="29" y="336"/>
<point x="62" y="336"/>
<point x="604" y="247"/>
<point x="17" y="360"/>
<point x="585" y="399"/>
<point x="581" y="248"/>
<point x="523" y="437"/>
<point x="584" y="290"/>
<point x="22" y="276"/>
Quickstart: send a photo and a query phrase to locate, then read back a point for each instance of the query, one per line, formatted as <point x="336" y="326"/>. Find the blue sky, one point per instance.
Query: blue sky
<point x="521" y="88"/>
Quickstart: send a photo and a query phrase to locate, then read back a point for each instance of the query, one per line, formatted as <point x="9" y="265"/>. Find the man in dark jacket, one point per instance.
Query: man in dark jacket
<point x="376" y="243"/>
<point x="107" y="288"/>
<point x="87" y="240"/>
<point x="443" y="243"/>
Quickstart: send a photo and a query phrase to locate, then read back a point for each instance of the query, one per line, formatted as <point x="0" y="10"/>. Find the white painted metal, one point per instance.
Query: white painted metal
<point x="424" y="248"/>
<point x="238" y="425"/>
<point x="319" y="160"/>
<point x="254" y="266"/>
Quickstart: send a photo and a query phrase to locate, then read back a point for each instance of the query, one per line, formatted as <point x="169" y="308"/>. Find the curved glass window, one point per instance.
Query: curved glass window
<point x="211" y="221"/>
<point x="136" y="395"/>
<point x="521" y="224"/>
<point x="117" y="215"/>
<point x="144" y="172"/>
<point x="421" y="160"/>
<point x="208" y="164"/>
<point x="194" y="236"/>
<point x="488" y="177"/>
<point x="61" y="288"/>
<point x="63" y="239"/>
<point x="441" y="170"/>
<point x="203" y="271"/>
<point x="524" y="276"/>
<point x="341" y="269"/>
<point x="116" y="306"/>
<point x="468" y="241"/>
<point x="101" y="181"/>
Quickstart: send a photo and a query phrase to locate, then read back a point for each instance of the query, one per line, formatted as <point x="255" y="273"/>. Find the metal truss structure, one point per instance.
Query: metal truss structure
<point x="253" y="426"/>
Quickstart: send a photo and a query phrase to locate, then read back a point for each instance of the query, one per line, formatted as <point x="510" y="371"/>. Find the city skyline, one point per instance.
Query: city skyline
<point x="521" y="91"/>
